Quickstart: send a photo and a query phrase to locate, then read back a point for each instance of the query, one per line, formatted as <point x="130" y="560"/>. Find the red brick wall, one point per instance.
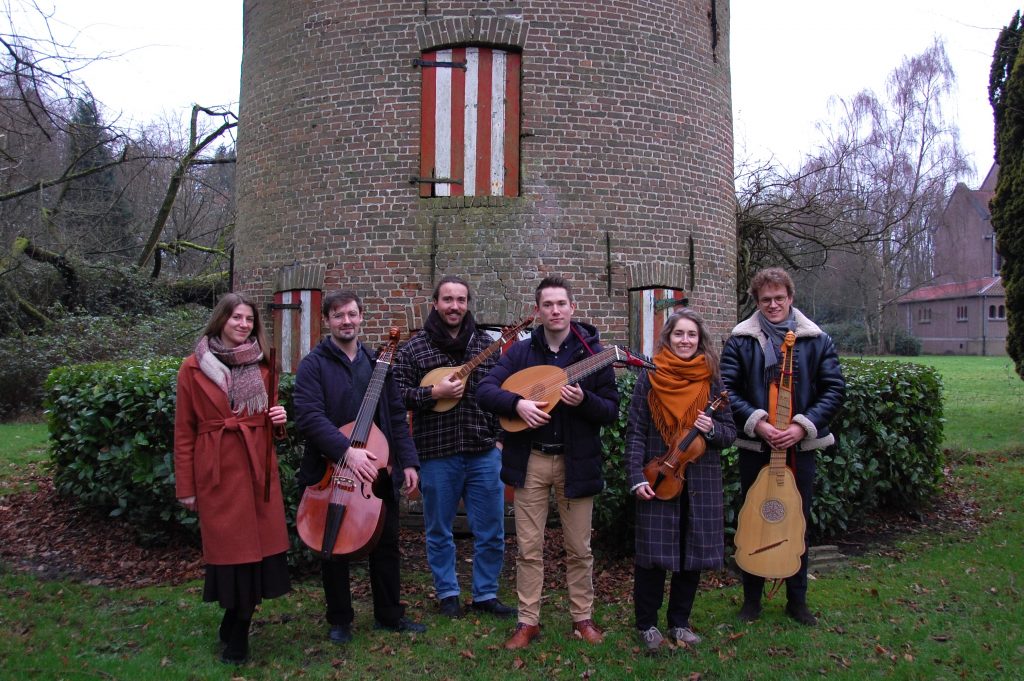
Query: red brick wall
<point x="626" y="132"/>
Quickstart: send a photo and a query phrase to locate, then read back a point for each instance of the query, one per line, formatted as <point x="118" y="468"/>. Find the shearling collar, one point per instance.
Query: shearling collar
<point x="805" y="328"/>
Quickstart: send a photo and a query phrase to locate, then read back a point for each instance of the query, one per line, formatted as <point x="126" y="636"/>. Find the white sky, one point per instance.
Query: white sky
<point x="788" y="58"/>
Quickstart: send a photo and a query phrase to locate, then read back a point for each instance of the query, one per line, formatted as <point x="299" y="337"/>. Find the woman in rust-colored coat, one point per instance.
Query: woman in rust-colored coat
<point x="222" y="438"/>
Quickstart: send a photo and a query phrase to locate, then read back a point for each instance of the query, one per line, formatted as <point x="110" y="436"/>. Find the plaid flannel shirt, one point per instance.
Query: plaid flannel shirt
<point x="464" y="429"/>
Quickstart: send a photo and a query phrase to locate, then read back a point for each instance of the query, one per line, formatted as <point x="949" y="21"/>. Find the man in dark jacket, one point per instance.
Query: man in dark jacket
<point x="750" y="364"/>
<point x="458" y="457"/>
<point x="329" y="389"/>
<point x="560" y="450"/>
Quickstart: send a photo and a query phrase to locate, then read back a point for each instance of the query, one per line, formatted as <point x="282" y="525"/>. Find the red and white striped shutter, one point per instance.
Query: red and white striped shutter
<point x="469" y="122"/>
<point x="649" y="308"/>
<point x="296" y="329"/>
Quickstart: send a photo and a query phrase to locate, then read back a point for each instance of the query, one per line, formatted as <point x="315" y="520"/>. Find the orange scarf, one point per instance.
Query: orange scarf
<point x="679" y="391"/>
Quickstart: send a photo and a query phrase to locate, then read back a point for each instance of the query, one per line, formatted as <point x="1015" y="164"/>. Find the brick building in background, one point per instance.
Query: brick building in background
<point x="383" y="144"/>
<point x="964" y="312"/>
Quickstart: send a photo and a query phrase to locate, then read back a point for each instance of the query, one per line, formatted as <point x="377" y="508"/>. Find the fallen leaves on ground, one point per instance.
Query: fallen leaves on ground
<point x="54" y="538"/>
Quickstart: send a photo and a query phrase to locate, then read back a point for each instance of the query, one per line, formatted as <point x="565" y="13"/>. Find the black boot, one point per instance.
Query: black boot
<point x="236" y="650"/>
<point x="750" y="611"/>
<point x="228" y="621"/>
<point x="799" y="611"/>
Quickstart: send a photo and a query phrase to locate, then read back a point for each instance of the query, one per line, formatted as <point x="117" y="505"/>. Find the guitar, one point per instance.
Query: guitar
<point x="339" y="516"/>
<point x="543" y="383"/>
<point x="439" y="374"/>
<point x="770" y="527"/>
<point x="666" y="473"/>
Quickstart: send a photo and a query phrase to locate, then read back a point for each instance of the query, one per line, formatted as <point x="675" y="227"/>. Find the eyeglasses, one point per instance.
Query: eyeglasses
<point x="778" y="300"/>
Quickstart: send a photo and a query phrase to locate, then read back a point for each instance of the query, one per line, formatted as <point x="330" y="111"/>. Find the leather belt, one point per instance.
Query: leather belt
<point x="545" y="448"/>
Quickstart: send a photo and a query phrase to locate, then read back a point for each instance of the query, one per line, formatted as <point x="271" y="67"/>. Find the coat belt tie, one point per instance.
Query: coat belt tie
<point x="247" y="426"/>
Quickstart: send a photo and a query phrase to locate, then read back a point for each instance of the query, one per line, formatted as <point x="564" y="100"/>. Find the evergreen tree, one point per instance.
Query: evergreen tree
<point x="1003" y="58"/>
<point x="1006" y="93"/>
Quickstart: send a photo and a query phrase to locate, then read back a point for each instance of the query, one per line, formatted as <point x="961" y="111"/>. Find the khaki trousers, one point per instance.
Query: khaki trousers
<point x="545" y="472"/>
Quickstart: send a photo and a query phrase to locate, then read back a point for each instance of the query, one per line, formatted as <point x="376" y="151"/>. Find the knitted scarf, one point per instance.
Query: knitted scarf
<point x="679" y="391"/>
<point x="439" y="334"/>
<point x="771" y="344"/>
<point x="236" y="371"/>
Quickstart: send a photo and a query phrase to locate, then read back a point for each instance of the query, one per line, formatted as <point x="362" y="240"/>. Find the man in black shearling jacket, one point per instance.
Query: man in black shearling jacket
<point x="750" y="363"/>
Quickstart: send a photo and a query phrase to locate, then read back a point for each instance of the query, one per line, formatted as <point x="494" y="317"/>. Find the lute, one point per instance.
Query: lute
<point x="435" y="376"/>
<point x="770" y="527"/>
<point x="543" y="383"/>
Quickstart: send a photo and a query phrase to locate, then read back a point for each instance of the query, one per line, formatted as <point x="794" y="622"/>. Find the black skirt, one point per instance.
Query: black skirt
<point x="243" y="587"/>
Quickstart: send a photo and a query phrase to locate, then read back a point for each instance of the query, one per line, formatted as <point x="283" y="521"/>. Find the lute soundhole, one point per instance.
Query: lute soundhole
<point x="773" y="511"/>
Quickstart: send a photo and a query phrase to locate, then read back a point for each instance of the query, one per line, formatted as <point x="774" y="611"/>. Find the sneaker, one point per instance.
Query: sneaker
<point x="450" y="607"/>
<point x="651" y="638"/>
<point x="681" y="635"/>
<point x="403" y="625"/>
<point x="340" y="634"/>
<point x="749" y="612"/>
<point x="494" y="607"/>
<point x="801" y="613"/>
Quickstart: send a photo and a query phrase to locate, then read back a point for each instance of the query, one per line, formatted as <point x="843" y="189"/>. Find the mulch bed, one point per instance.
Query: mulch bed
<point x="52" y="537"/>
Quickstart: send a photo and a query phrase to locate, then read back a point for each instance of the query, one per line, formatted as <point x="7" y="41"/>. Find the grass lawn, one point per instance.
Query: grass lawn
<point x="23" y="452"/>
<point x="936" y="605"/>
<point x="984" y="401"/>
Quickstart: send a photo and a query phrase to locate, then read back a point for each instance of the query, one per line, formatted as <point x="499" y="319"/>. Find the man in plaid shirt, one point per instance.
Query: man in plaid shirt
<point x="458" y="456"/>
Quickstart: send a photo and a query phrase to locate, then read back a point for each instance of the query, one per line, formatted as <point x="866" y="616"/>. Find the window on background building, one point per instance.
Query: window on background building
<point x="469" y="122"/>
<point x="961" y="313"/>
<point x="997" y="312"/>
<point x="924" y="315"/>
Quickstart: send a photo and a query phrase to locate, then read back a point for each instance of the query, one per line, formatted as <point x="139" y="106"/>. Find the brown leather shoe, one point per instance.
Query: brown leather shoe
<point x="522" y="636"/>
<point x="588" y="631"/>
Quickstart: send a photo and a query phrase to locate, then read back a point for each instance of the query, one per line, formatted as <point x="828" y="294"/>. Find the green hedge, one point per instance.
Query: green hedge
<point x="888" y="454"/>
<point x="111" y="427"/>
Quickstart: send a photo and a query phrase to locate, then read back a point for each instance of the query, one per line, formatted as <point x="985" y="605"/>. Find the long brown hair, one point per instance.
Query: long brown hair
<point x="222" y="313"/>
<point x="704" y="344"/>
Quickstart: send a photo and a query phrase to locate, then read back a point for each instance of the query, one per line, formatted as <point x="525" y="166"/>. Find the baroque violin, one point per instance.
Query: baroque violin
<point x="666" y="473"/>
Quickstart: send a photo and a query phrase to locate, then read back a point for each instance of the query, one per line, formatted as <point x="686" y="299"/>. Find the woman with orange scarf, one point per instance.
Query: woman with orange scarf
<point x="684" y="535"/>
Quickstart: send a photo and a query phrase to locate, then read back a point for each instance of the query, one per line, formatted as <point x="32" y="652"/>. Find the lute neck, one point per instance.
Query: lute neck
<point x="580" y="370"/>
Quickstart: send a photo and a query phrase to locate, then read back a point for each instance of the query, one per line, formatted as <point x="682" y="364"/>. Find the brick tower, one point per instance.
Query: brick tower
<point x="385" y="144"/>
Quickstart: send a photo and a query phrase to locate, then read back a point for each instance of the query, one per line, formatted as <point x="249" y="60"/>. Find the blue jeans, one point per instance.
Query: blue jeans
<point x="474" y="478"/>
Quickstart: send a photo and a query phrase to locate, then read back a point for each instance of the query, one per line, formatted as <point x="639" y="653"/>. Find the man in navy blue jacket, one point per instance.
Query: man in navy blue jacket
<point x="329" y="389"/>
<point x="560" y="450"/>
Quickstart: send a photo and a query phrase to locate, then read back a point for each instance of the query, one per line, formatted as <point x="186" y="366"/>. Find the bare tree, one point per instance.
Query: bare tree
<point x="873" y="189"/>
<point x="78" y="193"/>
